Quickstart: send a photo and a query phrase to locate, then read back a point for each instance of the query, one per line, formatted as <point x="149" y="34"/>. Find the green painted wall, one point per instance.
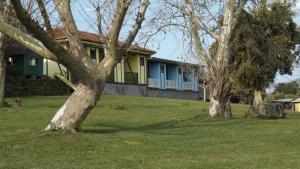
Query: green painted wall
<point x="18" y="68"/>
<point x="22" y="67"/>
<point x="31" y="70"/>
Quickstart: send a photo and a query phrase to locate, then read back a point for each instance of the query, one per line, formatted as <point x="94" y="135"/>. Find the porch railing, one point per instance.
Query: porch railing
<point x="187" y="85"/>
<point x="153" y="83"/>
<point x="171" y="84"/>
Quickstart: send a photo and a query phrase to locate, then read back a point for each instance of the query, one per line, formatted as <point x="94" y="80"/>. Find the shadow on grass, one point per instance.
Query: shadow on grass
<point x="196" y="121"/>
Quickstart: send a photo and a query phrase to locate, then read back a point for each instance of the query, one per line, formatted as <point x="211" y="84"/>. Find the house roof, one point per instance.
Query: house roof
<point x="296" y="100"/>
<point x="60" y="34"/>
<point x="284" y="100"/>
<point x="168" y="61"/>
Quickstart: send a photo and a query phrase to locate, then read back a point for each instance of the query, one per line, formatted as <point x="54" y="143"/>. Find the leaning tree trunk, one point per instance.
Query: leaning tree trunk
<point x="2" y="71"/>
<point x="76" y="108"/>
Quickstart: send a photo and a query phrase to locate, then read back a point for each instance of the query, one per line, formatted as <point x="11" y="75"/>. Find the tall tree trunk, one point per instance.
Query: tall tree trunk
<point x="2" y="71"/>
<point x="219" y="70"/>
<point x="258" y="99"/>
<point x="220" y="101"/>
<point x="257" y="107"/>
<point x="76" y="108"/>
<point x="3" y="17"/>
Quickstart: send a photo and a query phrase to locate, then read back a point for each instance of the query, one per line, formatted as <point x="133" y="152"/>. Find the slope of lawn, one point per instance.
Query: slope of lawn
<point x="148" y="133"/>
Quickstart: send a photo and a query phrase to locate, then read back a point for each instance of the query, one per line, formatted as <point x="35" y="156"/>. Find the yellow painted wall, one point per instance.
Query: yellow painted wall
<point x="119" y="72"/>
<point x="97" y="55"/>
<point x="297" y="107"/>
<point x="52" y="68"/>
<point x="88" y="51"/>
<point x="134" y="63"/>
<point x="142" y="70"/>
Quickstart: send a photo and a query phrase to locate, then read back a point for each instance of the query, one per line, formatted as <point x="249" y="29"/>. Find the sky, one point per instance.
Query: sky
<point x="170" y="45"/>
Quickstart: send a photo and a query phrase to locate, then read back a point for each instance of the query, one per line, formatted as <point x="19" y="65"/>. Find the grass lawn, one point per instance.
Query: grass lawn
<point x="150" y="133"/>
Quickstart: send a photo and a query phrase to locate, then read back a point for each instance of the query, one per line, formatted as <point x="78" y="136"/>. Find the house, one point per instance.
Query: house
<point x="167" y="74"/>
<point x="23" y="61"/>
<point x="137" y="74"/>
<point x="132" y="69"/>
<point x="174" y="79"/>
<point x="296" y="105"/>
<point x="288" y="103"/>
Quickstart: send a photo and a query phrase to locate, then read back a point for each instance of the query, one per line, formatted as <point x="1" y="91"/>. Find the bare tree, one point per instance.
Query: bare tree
<point x="213" y="20"/>
<point x="92" y="76"/>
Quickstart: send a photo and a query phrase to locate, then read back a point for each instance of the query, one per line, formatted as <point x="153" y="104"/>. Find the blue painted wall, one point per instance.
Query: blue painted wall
<point x="172" y="73"/>
<point x="191" y="77"/>
<point x="195" y="81"/>
<point x="180" y="79"/>
<point x="154" y="71"/>
<point x="163" y="76"/>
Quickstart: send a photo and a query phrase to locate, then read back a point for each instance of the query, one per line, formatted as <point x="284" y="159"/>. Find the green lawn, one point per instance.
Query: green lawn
<point x="150" y="133"/>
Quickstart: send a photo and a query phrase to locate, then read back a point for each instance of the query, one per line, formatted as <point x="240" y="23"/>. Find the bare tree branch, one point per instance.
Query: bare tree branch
<point x="27" y="41"/>
<point x="44" y="15"/>
<point x="138" y="22"/>
<point x="114" y="31"/>
<point x="78" y="50"/>
<point x="190" y="12"/>
<point x="63" y="56"/>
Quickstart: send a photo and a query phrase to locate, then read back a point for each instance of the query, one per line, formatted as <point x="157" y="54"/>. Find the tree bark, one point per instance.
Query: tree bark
<point x="2" y="71"/>
<point x="219" y="72"/>
<point x="257" y="107"/>
<point x="76" y="108"/>
<point x="220" y="103"/>
<point x="4" y="14"/>
<point x="258" y="99"/>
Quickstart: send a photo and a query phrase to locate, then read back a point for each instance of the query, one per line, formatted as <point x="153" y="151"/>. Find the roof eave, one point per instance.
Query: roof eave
<point x="135" y="51"/>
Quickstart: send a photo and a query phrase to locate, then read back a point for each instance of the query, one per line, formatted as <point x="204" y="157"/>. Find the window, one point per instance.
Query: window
<point x="11" y="61"/>
<point x="93" y="53"/>
<point x="142" y="62"/>
<point x="32" y="61"/>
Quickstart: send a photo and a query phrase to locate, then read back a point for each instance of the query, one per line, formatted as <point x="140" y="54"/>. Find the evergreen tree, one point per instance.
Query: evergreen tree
<point x="262" y="46"/>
